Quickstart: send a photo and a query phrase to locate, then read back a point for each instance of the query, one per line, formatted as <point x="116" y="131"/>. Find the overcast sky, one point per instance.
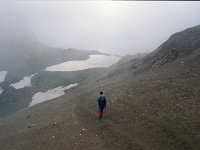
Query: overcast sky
<point x="112" y="27"/>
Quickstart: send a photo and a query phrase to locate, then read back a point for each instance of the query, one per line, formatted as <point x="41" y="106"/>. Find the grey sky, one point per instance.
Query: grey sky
<point x="113" y="27"/>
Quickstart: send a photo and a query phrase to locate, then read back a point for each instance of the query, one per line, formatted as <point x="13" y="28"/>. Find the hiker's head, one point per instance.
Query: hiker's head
<point x="101" y="93"/>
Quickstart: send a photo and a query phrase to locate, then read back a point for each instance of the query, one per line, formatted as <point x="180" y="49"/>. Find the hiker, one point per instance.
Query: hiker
<point x="102" y="104"/>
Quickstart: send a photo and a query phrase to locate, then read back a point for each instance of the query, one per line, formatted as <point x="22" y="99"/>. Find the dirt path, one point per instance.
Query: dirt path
<point x="112" y="135"/>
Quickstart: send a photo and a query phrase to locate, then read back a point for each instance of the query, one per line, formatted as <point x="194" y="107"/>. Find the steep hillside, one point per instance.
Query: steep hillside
<point x="177" y="46"/>
<point x="151" y="106"/>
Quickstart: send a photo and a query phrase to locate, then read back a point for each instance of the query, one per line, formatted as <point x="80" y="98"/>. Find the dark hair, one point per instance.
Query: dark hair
<point x="101" y="92"/>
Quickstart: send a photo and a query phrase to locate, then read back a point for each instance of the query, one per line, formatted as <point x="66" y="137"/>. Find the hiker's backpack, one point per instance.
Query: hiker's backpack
<point x="102" y="100"/>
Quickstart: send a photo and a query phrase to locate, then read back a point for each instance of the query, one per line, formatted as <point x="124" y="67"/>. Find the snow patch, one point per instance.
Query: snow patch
<point x="50" y="94"/>
<point x="25" y="82"/>
<point x="1" y="90"/>
<point x="3" y="75"/>
<point x="94" y="61"/>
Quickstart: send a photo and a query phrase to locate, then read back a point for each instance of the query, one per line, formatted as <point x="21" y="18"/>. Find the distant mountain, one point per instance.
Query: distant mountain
<point x="25" y="56"/>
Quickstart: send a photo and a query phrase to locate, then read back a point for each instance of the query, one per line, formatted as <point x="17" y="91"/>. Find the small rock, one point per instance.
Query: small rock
<point x="54" y="124"/>
<point x="30" y="126"/>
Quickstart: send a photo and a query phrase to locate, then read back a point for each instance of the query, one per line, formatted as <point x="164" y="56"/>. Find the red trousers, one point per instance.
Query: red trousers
<point x="100" y="114"/>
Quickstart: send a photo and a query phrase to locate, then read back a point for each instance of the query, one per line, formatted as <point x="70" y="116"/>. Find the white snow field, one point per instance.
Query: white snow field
<point x="50" y="94"/>
<point x="1" y="90"/>
<point x="2" y="78"/>
<point x="94" y="61"/>
<point x="3" y="75"/>
<point x="25" y="82"/>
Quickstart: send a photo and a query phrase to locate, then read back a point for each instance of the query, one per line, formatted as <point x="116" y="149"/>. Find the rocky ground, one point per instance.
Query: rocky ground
<point x="153" y="104"/>
<point x="157" y="109"/>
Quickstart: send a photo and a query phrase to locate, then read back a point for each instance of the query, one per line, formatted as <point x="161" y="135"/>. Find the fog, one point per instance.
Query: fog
<point x="112" y="27"/>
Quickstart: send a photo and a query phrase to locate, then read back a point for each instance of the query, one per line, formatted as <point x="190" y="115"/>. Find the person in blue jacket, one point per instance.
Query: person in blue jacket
<point x="101" y="104"/>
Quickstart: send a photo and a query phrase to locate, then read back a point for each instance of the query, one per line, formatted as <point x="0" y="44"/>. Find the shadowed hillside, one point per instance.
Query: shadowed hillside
<point x="23" y="56"/>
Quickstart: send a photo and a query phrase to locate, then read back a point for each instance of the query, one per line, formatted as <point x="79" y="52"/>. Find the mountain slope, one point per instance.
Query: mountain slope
<point x="148" y="108"/>
<point x="24" y="56"/>
<point x="177" y="46"/>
